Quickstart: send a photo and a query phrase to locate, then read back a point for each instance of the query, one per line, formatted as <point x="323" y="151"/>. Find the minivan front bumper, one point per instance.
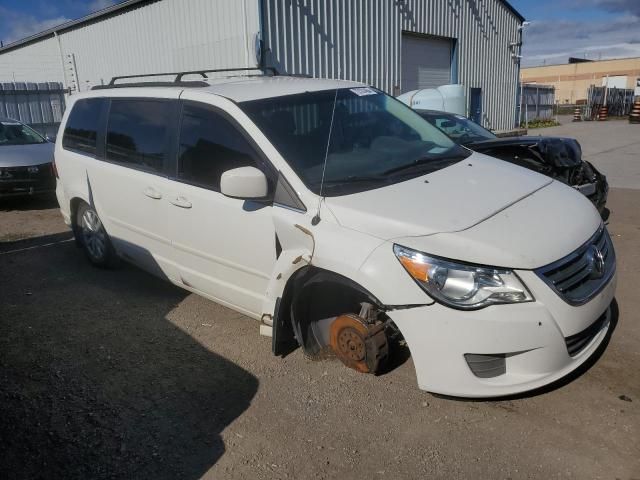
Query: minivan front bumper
<point x="504" y="350"/>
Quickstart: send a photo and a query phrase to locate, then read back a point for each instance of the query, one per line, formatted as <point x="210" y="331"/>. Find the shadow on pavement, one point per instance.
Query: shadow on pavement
<point x="96" y="382"/>
<point x="33" y="242"/>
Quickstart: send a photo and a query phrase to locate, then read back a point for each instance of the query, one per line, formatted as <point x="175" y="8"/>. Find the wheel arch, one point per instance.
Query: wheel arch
<point x="310" y="295"/>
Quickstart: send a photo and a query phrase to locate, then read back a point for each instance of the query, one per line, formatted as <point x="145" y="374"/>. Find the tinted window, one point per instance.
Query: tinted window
<point x="138" y="133"/>
<point x="209" y="146"/>
<point x="81" y="130"/>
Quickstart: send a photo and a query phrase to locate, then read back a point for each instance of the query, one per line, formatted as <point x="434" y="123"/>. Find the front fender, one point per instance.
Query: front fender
<point x="366" y="260"/>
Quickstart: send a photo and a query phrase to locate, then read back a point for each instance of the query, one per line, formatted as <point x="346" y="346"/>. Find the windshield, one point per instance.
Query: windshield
<point x="375" y="140"/>
<point x="458" y="128"/>
<point x="15" y="133"/>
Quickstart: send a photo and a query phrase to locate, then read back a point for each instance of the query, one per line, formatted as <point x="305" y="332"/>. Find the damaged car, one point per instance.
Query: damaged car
<point x="556" y="157"/>
<point x="26" y="161"/>
<point x="343" y="223"/>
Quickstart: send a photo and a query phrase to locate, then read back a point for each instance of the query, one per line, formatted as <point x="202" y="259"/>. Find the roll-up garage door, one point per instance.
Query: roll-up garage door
<point x="426" y="62"/>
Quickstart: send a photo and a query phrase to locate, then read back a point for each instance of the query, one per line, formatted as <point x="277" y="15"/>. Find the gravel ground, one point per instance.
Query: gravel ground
<point x="116" y="374"/>
<point x="22" y="218"/>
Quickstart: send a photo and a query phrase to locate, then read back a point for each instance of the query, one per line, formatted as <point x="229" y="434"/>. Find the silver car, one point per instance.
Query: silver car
<point x="26" y="160"/>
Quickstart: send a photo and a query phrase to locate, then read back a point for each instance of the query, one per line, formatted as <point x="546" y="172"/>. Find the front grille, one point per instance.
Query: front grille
<point x="576" y="343"/>
<point x="486" y="366"/>
<point x="579" y="276"/>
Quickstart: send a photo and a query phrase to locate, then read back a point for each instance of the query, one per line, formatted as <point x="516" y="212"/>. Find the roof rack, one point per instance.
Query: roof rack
<point x="178" y="80"/>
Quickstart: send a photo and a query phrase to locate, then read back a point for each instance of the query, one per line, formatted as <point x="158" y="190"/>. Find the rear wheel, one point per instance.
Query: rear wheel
<point x="94" y="238"/>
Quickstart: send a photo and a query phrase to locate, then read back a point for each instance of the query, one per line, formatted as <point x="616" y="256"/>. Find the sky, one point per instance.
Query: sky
<point x="21" y="18"/>
<point x="595" y="29"/>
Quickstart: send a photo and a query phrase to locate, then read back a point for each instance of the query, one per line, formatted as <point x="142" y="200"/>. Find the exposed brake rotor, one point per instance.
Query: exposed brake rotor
<point x="357" y="344"/>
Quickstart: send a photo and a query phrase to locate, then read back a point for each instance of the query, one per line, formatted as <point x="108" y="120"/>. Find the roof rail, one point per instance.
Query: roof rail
<point x="195" y="83"/>
<point x="179" y="75"/>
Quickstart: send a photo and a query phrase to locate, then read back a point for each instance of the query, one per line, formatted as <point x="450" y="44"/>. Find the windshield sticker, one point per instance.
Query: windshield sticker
<point x="362" y="91"/>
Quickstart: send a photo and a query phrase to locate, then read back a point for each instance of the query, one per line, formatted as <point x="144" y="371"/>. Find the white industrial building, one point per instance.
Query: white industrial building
<point x="395" y="45"/>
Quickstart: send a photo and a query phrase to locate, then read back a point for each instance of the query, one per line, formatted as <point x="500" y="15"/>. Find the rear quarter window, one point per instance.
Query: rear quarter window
<point x="81" y="130"/>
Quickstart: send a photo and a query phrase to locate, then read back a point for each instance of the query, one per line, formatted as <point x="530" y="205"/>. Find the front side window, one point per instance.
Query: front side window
<point x="138" y="133"/>
<point x="209" y="146"/>
<point x="81" y="130"/>
<point x="369" y="139"/>
<point x="16" y="133"/>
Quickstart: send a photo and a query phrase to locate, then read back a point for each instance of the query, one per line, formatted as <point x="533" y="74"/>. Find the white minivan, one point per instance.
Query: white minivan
<point x="342" y="221"/>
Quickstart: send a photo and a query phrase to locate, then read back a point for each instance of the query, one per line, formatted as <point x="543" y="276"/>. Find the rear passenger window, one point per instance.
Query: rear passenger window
<point x="209" y="146"/>
<point x="138" y="133"/>
<point x="81" y="130"/>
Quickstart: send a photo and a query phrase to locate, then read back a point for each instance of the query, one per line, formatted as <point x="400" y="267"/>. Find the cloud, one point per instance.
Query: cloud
<point x="617" y="6"/>
<point x="16" y="26"/>
<point x="554" y="41"/>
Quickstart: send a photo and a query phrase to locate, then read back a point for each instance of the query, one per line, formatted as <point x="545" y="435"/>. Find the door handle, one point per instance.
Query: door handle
<point x="152" y="193"/>
<point x="181" y="202"/>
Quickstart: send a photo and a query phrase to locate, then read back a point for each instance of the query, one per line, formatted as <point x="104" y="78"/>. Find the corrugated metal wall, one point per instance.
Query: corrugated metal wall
<point x="37" y="62"/>
<point x="40" y="105"/>
<point x="537" y="102"/>
<point x="167" y="35"/>
<point x="360" y="40"/>
<point x="351" y="39"/>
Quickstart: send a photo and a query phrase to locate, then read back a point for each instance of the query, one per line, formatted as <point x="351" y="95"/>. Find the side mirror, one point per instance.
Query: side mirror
<point x="247" y="183"/>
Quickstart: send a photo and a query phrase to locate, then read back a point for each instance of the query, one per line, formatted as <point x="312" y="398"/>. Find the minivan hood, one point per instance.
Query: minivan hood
<point x="26" y="155"/>
<point x="448" y="200"/>
<point x="541" y="229"/>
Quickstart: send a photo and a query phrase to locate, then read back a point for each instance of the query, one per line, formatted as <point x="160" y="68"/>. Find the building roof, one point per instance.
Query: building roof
<point x="120" y="8"/>
<point x="589" y="64"/>
<point x="512" y="9"/>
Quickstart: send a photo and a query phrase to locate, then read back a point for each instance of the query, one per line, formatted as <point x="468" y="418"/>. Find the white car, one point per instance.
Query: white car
<point x="340" y="219"/>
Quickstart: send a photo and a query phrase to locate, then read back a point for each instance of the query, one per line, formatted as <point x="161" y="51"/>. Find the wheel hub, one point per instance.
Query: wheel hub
<point x="357" y="344"/>
<point x="351" y="344"/>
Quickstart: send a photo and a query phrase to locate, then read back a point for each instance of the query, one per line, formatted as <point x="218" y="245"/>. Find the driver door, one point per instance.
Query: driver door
<point x="224" y="247"/>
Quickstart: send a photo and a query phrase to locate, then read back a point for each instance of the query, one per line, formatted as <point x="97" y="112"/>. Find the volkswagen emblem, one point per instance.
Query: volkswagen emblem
<point x="595" y="262"/>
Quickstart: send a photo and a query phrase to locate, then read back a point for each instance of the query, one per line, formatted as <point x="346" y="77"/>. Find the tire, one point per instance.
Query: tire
<point x="93" y="238"/>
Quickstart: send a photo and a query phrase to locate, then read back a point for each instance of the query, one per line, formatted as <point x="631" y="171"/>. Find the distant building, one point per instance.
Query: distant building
<point x="572" y="81"/>
<point x="395" y="45"/>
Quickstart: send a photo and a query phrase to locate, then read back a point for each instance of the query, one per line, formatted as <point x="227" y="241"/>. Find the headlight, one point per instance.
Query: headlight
<point x="462" y="286"/>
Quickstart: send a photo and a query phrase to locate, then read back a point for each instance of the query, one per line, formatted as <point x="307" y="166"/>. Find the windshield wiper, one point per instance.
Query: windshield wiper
<point x="434" y="163"/>
<point x="353" y="179"/>
<point x="409" y="166"/>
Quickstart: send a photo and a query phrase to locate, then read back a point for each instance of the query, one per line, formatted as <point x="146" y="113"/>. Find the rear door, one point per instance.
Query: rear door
<point x="129" y="186"/>
<point x="226" y="247"/>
